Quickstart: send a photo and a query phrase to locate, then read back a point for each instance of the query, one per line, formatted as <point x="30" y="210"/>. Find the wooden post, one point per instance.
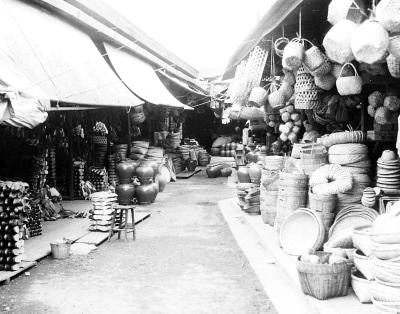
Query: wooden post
<point x="70" y="164"/>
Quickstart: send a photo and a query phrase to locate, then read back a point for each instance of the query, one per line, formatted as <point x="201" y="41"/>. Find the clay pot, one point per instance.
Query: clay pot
<point x="191" y="164"/>
<point x="233" y="153"/>
<point x="146" y="193"/>
<point x="226" y="172"/>
<point x="214" y="171"/>
<point x="255" y="173"/>
<point x="228" y="153"/>
<point x="145" y="173"/>
<point x="233" y="146"/>
<point x="125" y="171"/>
<point x="152" y="163"/>
<point x="251" y="157"/>
<point x="243" y="175"/>
<point x="223" y="152"/>
<point x="162" y="182"/>
<point x="156" y="190"/>
<point x="215" y="151"/>
<point x="125" y="193"/>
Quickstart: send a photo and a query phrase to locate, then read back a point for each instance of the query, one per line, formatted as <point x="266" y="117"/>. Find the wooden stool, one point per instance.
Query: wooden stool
<point x="123" y="210"/>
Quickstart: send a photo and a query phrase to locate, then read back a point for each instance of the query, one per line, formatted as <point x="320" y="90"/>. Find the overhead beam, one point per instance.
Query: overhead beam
<point x="80" y="18"/>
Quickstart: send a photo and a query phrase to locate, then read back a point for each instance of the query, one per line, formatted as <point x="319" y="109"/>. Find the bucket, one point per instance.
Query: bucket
<point x="60" y="250"/>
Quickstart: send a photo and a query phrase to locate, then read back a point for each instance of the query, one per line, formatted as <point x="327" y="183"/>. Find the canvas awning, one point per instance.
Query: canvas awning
<point x="140" y="78"/>
<point x="60" y="61"/>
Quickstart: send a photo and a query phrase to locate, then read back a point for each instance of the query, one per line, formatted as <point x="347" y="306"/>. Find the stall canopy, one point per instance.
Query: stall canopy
<point x="272" y="19"/>
<point x="60" y="61"/>
<point x="140" y="78"/>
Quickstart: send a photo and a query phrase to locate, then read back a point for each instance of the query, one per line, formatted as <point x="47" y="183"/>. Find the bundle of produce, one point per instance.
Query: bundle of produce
<point x="383" y="108"/>
<point x="14" y="200"/>
<point x="388" y="172"/>
<point x="102" y="212"/>
<point x="34" y="219"/>
<point x="79" y="176"/>
<point x="291" y="128"/>
<point x="385" y="266"/>
<point x="98" y="177"/>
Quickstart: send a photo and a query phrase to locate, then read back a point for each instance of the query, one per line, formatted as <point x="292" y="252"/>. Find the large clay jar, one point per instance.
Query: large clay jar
<point x="125" y="171"/>
<point x="125" y="193"/>
<point x="153" y="164"/>
<point x="156" y="189"/>
<point x="162" y="181"/>
<point x="214" y="171"/>
<point x="144" y="173"/>
<point x="243" y="175"/>
<point x="146" y="193"/>
<point x="255" y="173"/>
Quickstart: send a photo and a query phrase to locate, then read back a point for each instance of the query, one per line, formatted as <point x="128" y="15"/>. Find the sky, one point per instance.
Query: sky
<point x="203" y="33"/>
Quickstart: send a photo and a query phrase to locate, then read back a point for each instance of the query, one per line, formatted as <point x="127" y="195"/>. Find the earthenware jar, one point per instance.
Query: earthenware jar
<point x="243" y="174"/>
<point x="144" y="173"/>
<point x="125" y="193"/>
<point x="125" y="171"/>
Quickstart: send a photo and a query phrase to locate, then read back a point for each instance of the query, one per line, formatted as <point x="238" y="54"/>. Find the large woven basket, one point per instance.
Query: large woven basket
<point x="393" y="64"/>
<point x="313" y="58"/>
<point x="388" y="14"/>
<point x="293" y="54"/>
<point x="353" y="10"/>
<point x="322" y="203"/>
<point x="349" y="85"/>
<point x="276" y="98"/>
<point x="324" y="281"/>
<point x="311" y="162"/>
<point x="337" y="42"/>
<point x="307" y="93"/>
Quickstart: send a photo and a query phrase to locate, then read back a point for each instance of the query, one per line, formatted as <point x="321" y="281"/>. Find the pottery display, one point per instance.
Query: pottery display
<point x="152" y="163"/>
<point x="144" y="173"/>
<point x="125" y="193"/>
<point x="125" y="171"/>
<point x="146" y="193"/>
<point x="243" y="175"/>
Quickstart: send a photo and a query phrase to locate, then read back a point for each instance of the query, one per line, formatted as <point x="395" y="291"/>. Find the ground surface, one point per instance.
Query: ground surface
<point x="184" y="260"/>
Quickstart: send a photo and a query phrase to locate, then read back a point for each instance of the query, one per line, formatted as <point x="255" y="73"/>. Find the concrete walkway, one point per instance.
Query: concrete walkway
<point x="185" y="260"/>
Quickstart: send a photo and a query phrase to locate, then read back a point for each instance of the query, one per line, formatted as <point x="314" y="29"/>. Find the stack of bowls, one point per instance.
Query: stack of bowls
<point x="388" y="173"/>
<point x="369" y="197"/>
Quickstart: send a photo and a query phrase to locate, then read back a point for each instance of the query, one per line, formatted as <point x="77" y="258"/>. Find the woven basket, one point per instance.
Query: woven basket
<point x="370" y="42"/>
<point x="324" y="281"/>
<point x="313" y="58"/>
<point x="293" y="54"/>
<point x="322" y="70"/>
<point x="280" y="45"/>
<point x="268" y="212"/>
<point x="394" y="46"/>
<point x="307" y="93"/>
<point x="361" y="287"/>
<point x="337" y="42"/>
<point x="393" y="64"/>
<point x="99" y="139"/>
<point x="388" y="14"/>
<point x="311" y="162"/>
<point x="276" y="99"/>
<point x="325" y="82"/>
<point x="322" y="203"/>
<point x="258" y="97"/>
<point x="297" y="180"/>
<point x="286" y="90"/>
<point x="353" y="10"/>
<point x="350" y="85"/>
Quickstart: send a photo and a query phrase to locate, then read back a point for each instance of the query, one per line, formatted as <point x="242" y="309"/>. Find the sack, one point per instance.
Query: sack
<point x="370" y="42"/>
<point x="337" y="42"/>
<point x="388" y="14"/>
<point x="350" y="85"/>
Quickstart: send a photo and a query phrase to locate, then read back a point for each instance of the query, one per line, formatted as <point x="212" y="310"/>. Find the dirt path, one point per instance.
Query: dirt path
<point x="184" y="260"/>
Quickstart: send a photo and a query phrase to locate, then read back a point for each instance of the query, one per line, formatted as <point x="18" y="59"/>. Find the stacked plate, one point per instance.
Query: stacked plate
<point x="102" y="212"/>
<point x="388" y="175"/>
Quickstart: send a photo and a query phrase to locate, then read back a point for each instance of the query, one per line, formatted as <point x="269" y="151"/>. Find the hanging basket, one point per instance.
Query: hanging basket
<point x="393" y="65"/>
<point x="258" y="97"/>
<point x="313" y="57"/>
<point x="293" y="54"/>
<point x="353" y="10"/>
<point x="370" y="42"/>
<point x="388" y="14"/>
<point x="350" y="85"/>
<point x="394" y="46"/>
<point x="337" y="42"/>
<point x="286" y="90"/>
<point x="276" y="99"/>
<point x="322" y="70"/>
<point x="280" y="45"/>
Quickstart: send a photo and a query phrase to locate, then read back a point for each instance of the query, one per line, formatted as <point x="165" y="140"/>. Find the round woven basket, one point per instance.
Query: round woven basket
<point x="349" y="85"/>
<point x="313" y="58"/>
<point x="258" y="97"/>
<point x="393" y="64"/>
<point x="322" y="203"/>
<point x="293" y="54"/>
<point x="337" y="42"/>
<point x="280" y="45"/>
<point x="353" y="10"/>
<point x="388" y="14"/>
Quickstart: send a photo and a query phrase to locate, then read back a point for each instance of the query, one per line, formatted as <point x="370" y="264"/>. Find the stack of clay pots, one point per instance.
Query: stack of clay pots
<point x="125" y="189"/>
<point x="147" y="189"/>
<point x="34" y="219"/>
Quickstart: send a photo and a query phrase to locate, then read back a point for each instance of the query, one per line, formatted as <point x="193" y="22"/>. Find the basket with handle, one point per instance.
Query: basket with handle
<point x="293" y="54"/>
<point x="313" y="57"/>
<point x="393" y="64"/>
<point x="280" y="45"/>
<point x="349" y="85"/>
<point x="353" y="10"/>
<point x="324" y="281"/>
<point x="276" y="98"/>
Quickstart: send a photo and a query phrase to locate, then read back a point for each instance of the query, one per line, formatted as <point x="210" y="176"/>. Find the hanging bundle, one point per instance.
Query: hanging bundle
<point x="325" y="82"/>
<point x="388" y="14"/>
<point x="337" y="42"/>
<point x="370" y="42"/>
<point x="307" y="93"/>
<point x="286" y="90"/>
<point x="279" y="45"/>
<point x="393" y="64"/>
<point x="353" y="10"/>
<point x="276" y="98"/>
<point x="258" y="97"/>
<point x="350" y="85"/>
<point x="394" y="46"/>
<point x="293" y="54"/>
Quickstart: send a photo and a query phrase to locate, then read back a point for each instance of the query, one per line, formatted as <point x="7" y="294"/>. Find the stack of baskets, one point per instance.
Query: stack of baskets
<point x="325" y="208"/>
<point x="112" y="176"/>
<point x="307" y="93"/>
<point x="102" y="212"/>
<point x="98" y="177"/>
<point x="138" y="150"/>
<point x="292" y="195"/>
<point x="313" y="158"/>
<point x="79" y="176"/>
